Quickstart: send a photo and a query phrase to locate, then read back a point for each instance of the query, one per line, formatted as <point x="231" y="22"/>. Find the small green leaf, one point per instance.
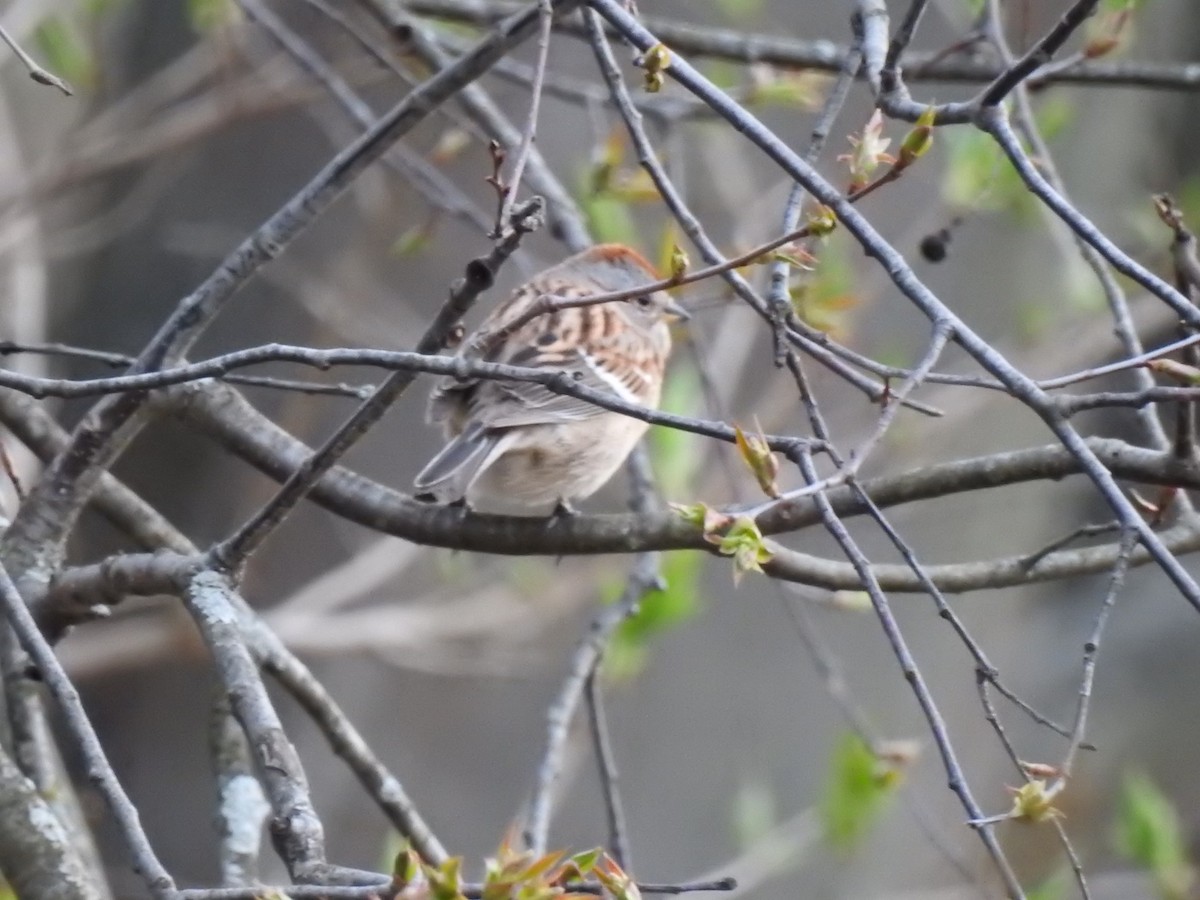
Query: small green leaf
<point x="754" y="812"/>
<point x="210" y="15"/>
<point x="64" y="52"/>
<point x="772" y="86"/>
<point x="759" y="458"/>
<point x="1172" y="368"/>
<point x="96" y="8"/>
<point x="412" y="241"/>
<point x="918" y="141"/>
<point x="857" y="791"/>
<point x="1148" y="833"/>
<point x="827" y="296"/>
<point x="445" y="881"/>
<point x="586" y="860"/>
<point x="609" y="218"/>
<point x="973" y="168"/>
<point x="740" y="11"/>
<point x="1034" y="801"/>
<point x="616" y="882"/>
<point x="659" y="612"/>
<point x="1054" y="114"/>
<point x="655" y="61"/>
<point x="678" y="455"/>
<point x="406" y="867"/>
<point x="851" y="601"/>
<point x="1053" y="888"/>
<point x="745" y="543"/>
<point x="869" y="151"/>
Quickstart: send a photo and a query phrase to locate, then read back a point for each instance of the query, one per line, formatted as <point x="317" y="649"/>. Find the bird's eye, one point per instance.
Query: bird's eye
<point x="643" y="302"/>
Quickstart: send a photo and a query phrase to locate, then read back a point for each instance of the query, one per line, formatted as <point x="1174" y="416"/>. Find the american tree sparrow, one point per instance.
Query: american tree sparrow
<point x="520" y="442"/>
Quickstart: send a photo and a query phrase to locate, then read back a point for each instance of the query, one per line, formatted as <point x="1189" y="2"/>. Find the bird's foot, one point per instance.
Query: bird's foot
<point x="430" y="498"/>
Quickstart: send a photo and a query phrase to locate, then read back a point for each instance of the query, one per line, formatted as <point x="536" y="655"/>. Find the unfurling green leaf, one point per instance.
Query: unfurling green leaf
<point x="406" y="869"/>
<point x="758" y="457"/>
<point x="870" y="149"/>
<point x="745" y="543"/>
<point x="615" y="880"/>
<point x="703" y="515"/>
<point x="679" y="262"/>
<point x="1174" y="369"/>
<point x="586" y="860"/>
<point x="445" y="881"/>
<point x="821" y="221"/>
<point x="857" y="790"/>
<point x="918" y="141"/>
<point x="1034" y="801"/>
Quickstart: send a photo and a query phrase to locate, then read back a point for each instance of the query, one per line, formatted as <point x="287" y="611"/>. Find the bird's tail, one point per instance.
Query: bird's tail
<point x="459" y="463"/>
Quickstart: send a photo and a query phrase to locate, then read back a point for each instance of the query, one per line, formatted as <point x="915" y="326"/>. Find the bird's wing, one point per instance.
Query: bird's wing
<point x="507" y="404"/>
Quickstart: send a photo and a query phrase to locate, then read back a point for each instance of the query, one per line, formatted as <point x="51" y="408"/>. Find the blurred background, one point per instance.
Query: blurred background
<point x="190" y="126"/>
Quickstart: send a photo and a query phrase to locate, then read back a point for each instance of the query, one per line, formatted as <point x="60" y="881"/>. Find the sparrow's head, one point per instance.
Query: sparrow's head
<point x="615" y="267"/>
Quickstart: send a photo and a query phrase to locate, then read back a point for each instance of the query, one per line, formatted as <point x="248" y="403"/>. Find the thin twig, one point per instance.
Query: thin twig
<point x="99" y="771"/>
<point x="513" y="184"/>
<point x="558" y="720"/>
<point x="470" y="891"/>
<point x="121" y="361"/>
<point x="1039" y="54"/>
<point x="36" y="72"/>
<point x="912" y="675"/>
<point x="408" y="363"/>
<point x="790" y="52"/>
<point x="1026" y="122"/>
<point x="618" y="830"/>
<point x="563" y="216"/>
<point x="440" y="191"/>
<point x="1091" y="650"/>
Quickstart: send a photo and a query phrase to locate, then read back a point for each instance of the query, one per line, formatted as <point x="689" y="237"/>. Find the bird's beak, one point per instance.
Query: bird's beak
<point x="675" y="312"/>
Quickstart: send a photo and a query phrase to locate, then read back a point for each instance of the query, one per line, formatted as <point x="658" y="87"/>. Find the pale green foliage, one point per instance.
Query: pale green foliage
<point x="609" y="218"/>
<point x="754" y="813"/>
<point x="1034" y="801"/>
<point x="759" y="459"/>
<point x="741" y="11"/>
<point x="746" y="544"/>
<point x="857" y="791"/>
<point x="978" y="176"/>
<point x="513" y="874"/>
<point x="1053" y="888"/>
<point x="64" y="51"/>
<point x="207" y="15"/>
<point x="658" y="612"/>
<point x="826" y="297"/>
<point x="677" y="455"/>
<point x="1148" y="832"/>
